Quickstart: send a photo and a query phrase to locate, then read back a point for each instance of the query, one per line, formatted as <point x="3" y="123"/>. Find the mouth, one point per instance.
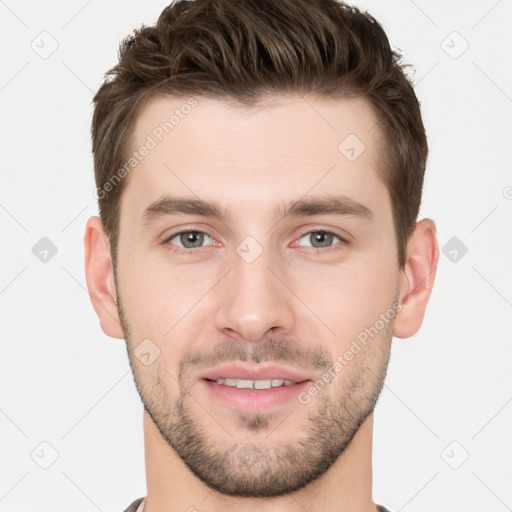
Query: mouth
<point x="254" y="389"/>
<point x="255" y="384"/>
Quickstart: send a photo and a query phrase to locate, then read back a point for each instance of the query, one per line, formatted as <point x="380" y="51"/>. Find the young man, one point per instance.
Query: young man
<point x="259" y="168"/>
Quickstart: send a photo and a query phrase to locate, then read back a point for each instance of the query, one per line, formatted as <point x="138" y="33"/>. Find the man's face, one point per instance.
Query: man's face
<point x="258" y="288"/>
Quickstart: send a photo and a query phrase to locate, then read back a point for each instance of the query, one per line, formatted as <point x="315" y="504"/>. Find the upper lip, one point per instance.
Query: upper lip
<point x="259" y="372"/>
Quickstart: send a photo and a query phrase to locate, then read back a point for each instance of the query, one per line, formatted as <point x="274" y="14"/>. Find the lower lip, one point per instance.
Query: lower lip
<point x="254" y="400"/>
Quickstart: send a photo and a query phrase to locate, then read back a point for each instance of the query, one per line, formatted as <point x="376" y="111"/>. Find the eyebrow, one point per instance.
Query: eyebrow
<point x="320" y="205"/>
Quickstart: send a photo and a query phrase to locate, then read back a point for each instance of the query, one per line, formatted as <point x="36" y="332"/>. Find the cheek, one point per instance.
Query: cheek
<point x="349" y="300"/>
<point x="162" y="303"/>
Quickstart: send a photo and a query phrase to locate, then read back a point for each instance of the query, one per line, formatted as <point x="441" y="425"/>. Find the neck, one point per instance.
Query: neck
<point x="346" y="486"/>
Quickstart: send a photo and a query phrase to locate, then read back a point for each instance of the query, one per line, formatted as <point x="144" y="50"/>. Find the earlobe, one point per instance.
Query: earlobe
<point x="100" y="278"/>
<point x="417" y="278"/>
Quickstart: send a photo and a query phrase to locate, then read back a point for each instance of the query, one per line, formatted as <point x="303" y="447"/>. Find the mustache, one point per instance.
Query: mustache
<point x="268" y="350"/>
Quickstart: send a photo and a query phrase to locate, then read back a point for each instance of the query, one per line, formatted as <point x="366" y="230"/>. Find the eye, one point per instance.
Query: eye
<point x="322" y="239"/>
<point x="191" y="240"/>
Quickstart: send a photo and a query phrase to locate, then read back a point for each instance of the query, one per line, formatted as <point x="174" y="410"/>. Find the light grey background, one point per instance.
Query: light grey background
<point x="65" y="384"/>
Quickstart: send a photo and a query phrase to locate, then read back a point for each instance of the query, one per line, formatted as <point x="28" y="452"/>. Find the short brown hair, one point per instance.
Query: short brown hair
<point x="244" y="51"/>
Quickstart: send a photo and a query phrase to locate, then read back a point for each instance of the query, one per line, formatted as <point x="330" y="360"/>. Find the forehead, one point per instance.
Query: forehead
<point x="291" y="145"/>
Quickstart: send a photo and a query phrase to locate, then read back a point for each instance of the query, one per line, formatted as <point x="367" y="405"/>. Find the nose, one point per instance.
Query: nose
<point x="254" y="298"/>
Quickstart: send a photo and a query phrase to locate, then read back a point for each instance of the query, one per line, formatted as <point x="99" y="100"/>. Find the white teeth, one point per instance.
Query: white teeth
<point x="239" y="383"/>
<point x="255" y="384"/>
<point x="262" y="384"/>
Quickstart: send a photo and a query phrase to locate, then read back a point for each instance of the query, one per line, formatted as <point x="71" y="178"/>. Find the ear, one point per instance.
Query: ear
<point x="417" y="278"/>
<point x="99" y="274"/>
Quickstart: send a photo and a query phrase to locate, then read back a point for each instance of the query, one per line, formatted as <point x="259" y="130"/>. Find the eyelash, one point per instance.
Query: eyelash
<point x="198" y="250"/>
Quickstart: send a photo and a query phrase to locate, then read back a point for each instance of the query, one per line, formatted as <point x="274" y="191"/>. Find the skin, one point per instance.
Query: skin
<point x="295" y="305"/>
